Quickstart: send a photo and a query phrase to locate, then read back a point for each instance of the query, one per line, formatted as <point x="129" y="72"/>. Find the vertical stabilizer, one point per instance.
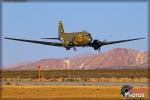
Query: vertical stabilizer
<point x="60" y="28"/>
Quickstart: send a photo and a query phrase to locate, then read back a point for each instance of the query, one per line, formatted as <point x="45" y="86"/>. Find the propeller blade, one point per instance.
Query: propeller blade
<point x="99" y="49"/>
<point x="104" y="40"/>
<point x="74" y="48"/>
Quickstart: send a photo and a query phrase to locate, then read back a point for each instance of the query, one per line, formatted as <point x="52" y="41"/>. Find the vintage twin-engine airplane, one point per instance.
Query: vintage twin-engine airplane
<point x="74" y="39"/>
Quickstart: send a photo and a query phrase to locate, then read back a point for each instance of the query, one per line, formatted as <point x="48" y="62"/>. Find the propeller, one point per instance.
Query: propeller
<point x="96" y="44"/>
<point x="99" y="49"/>
<point x="104" y="40"/>
<point x="74" y="48"/>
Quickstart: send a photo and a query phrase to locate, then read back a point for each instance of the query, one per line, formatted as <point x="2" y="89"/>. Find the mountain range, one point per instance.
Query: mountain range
<point x="119" y="58"/>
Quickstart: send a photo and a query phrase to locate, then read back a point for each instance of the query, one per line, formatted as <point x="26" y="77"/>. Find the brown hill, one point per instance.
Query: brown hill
<point x="120" y="58"/>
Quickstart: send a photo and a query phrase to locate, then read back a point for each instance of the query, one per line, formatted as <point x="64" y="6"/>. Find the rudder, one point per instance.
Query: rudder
<point x="60" y="28"/>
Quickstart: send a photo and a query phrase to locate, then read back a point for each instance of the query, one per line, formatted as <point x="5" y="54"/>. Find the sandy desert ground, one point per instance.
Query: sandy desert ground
<point x="63" y="92"/>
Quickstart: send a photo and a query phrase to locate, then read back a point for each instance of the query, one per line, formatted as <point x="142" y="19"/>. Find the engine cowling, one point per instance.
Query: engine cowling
<point x="96" y="44"/>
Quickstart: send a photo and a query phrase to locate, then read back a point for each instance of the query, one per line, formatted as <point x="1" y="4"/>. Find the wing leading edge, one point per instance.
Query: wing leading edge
<point x="37" y="42"/>
<point x="119" y="41"/>
<point x="58" y="44"/>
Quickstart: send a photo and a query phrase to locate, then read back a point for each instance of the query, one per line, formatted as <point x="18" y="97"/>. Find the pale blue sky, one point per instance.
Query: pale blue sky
<point x="104" y="20"/>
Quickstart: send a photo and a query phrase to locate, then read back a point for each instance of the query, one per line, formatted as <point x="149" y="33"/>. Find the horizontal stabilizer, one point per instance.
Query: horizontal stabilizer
<point x="50" y="38"/>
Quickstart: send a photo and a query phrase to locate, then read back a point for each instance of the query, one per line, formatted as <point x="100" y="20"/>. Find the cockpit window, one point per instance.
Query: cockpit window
<point x="88" y="34"/>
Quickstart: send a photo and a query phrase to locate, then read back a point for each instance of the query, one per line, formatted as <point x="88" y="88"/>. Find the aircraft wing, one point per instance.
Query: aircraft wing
<point x="37" y="42"/>
<point x="119" y="41"/>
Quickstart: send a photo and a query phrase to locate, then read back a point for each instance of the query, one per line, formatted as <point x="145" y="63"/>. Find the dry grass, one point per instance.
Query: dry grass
<point x="63" y="92"/>
<point x="118" y="79"/>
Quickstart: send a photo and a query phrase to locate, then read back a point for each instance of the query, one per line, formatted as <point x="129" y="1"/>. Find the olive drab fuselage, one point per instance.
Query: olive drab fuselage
<point x="77" y="38"/>
<point x="74" y="38"/>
